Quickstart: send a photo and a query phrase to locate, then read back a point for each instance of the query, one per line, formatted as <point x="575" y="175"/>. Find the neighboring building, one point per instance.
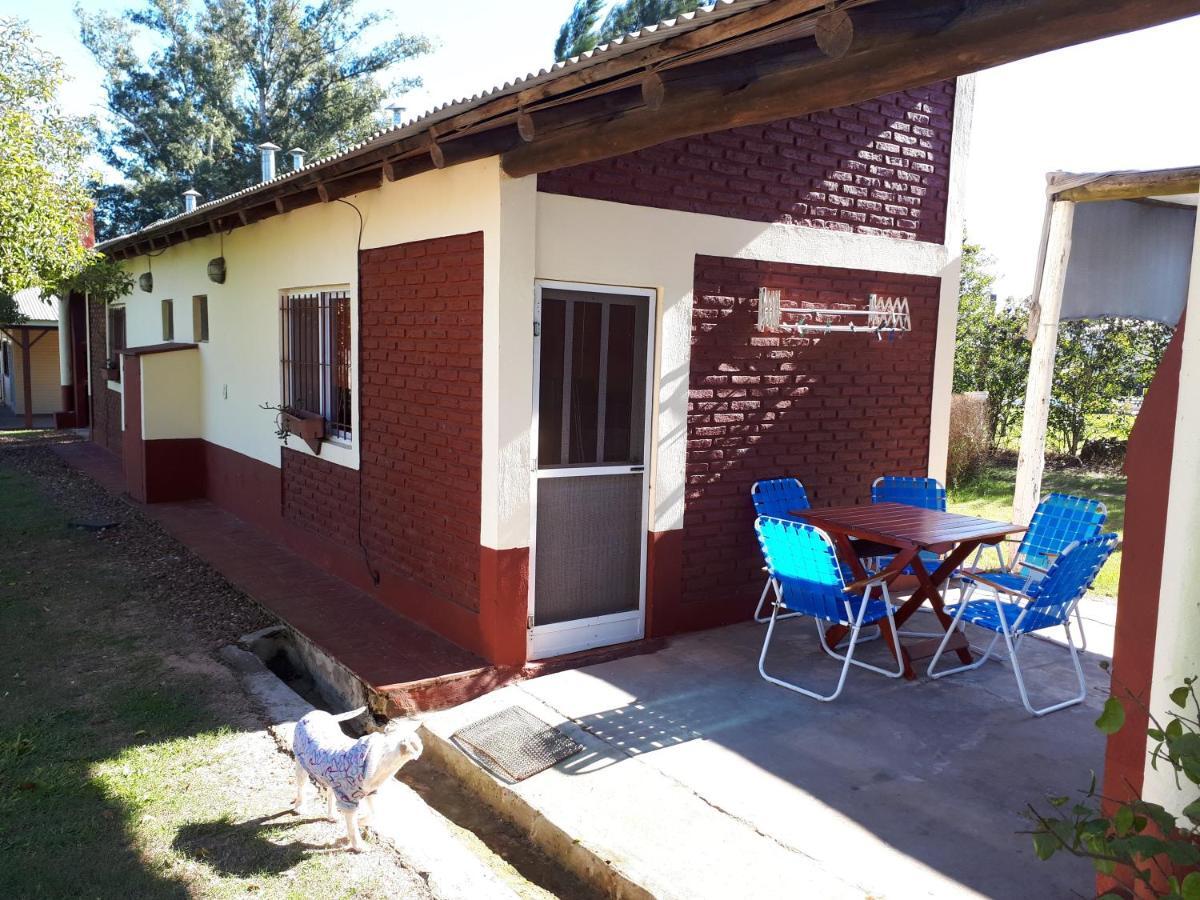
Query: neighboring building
<point x="545" y="397"/>
<point x="37" y="337"/>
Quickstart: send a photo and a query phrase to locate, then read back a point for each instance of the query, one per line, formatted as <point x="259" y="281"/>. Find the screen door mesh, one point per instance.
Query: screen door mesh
<point x="589" y="547"/>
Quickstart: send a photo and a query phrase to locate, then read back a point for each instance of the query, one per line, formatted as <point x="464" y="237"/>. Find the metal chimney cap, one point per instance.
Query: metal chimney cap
<point x="297" y="150"/>
<point x="191" y="192"/>
<point x="267" y="145"/>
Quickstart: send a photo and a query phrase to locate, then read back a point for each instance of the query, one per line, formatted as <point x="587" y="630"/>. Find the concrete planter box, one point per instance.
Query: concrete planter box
<point x="307" y="426"/>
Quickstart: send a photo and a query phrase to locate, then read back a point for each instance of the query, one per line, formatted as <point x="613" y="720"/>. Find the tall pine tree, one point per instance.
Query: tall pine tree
<point x="579" y="33"/>
<point x="222" y="77"/>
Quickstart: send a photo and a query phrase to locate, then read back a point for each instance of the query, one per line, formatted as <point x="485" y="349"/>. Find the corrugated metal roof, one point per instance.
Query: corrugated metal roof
<point x="644" y="37"/>
<point x="38" y="311"/>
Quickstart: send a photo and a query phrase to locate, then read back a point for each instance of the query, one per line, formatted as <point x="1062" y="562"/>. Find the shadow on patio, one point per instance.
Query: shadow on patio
<point x="895" y="789"/>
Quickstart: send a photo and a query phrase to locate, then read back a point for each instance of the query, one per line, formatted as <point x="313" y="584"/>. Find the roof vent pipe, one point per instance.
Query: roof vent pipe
<point x="190" y="198"/>
<point x="397" y="112"/>
<point x="268" y="159"/>
<point x="297" y="158"/>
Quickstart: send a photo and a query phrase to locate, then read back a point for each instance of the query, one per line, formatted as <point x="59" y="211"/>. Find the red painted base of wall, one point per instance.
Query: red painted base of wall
<point x="174" y="470"/>
<point x="1148" y="467"/>
<point x="253" y="491"/>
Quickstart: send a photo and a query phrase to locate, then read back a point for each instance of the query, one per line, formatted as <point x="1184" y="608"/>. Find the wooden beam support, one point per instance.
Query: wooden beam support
<point x="241" y="214"/>
<point x="323" y="192"/>
<point x="279" y="207"/>
<point x="898" y="44"/>
<point x="1134" y="185"/>
<point x="435" y="151"/>
<point x="1044" y="319"/>
<point x="26" y="377"/>
<point x="525" y="126"/>
<point x="653" y="90"/>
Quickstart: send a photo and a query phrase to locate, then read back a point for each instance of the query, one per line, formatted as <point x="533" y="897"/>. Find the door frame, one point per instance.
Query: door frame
<point x="543" y="641"/>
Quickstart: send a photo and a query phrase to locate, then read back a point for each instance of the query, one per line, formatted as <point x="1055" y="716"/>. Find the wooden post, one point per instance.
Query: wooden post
<point x="66" y="378"/>
<point x="27" y="387"/>
<point x="1047" y="308"/>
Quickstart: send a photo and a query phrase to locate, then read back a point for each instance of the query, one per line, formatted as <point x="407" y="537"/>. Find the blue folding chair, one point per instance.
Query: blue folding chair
<point x="926" y="493"/>
<point x="776" y="497"/>
<point x="808" y="580"/>
<point x="1046" y="603"/>
<point x="1059" y="521"/>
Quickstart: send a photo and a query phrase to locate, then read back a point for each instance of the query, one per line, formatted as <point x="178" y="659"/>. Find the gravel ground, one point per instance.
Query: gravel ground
<point x="174" y="576"/>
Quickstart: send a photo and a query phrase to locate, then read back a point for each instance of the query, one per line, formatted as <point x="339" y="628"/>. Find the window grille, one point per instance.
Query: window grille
<point x="315" y="356"/>
<point x="168" y="320"/>
<point x="200" y="318"/>
<point x="116" y="337"/>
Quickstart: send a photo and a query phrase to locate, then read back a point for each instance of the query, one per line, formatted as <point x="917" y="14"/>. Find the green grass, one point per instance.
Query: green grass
<point x="990" y="495"/>
<point x="131" y="765"/>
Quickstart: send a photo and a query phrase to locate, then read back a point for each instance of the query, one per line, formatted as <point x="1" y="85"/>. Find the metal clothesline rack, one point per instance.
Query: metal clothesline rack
<point x="885" y="315"/>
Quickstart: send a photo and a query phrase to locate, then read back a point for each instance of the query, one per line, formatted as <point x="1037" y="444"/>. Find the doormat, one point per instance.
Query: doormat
<point x="514" y="744"/>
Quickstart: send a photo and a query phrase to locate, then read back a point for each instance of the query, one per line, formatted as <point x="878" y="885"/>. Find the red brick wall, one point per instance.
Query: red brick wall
<point x="835" y="412"/>
<point x="420" y="427"/>
<point x="315" y="485"/>
<point x="106" y="404"/>
<point x="879" y="167"/>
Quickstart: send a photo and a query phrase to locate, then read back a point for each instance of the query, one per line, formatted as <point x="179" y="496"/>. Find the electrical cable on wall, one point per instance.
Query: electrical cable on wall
<point x="371" y="570"/>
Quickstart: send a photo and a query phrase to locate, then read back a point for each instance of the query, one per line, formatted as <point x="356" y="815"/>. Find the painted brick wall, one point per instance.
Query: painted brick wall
<point x="313" y="485"/>
<point x="421" y="420"/>
<point x="835" y="412"/>
<point x="106" y="404"/>
<point x="879" y="167"/>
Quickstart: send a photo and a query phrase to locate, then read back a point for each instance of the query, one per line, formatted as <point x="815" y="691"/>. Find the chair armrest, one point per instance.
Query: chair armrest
<point x="998" y="588"/>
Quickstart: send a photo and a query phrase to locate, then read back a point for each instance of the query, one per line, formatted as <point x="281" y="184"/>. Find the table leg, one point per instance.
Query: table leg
<point x="928" y="589"/>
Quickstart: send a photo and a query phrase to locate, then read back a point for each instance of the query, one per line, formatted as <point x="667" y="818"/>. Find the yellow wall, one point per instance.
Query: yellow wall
<point x="43" y="367"/>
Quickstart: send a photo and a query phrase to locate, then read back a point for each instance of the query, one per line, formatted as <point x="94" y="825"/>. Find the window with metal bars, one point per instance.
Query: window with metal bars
<point x="315" y="356"/>
<point x="116" y="338"/>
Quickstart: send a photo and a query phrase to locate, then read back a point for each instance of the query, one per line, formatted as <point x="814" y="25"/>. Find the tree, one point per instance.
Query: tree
<point x="222" y="77"/>
<point x="577" y="34"/>
<point x="44" y="201"/>
<point x="1099" y="363"/>
<point x="990" y="353"/>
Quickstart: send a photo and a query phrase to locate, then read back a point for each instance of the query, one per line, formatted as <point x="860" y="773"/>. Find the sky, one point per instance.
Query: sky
<point x="1112" y="104"/>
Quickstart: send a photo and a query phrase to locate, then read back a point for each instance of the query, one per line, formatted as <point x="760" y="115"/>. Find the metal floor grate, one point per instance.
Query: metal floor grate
<point x="515" y="744"/>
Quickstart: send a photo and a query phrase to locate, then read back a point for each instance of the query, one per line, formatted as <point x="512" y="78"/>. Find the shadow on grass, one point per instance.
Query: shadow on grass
<point x="253" y="847"/>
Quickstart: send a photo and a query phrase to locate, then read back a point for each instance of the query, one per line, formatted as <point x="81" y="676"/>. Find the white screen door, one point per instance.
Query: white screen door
<point x="592" y="381"/>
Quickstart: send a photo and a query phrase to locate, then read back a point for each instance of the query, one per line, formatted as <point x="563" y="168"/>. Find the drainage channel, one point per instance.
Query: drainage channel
<point x="503" y="848"/>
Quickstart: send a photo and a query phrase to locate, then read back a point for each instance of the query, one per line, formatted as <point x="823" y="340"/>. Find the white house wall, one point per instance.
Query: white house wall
<point x="313" y="247"/>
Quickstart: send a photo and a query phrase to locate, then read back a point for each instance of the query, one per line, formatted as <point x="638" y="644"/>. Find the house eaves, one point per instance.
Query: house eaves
<point x="739" y="62"/>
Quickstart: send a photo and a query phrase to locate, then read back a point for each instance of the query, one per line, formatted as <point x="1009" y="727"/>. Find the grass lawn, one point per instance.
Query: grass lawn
<point x="131" y="762"/>
<point x="990" y="495"/>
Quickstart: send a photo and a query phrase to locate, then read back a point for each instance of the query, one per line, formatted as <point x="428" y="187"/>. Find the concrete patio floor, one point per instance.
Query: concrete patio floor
<point x="699" y="779"/>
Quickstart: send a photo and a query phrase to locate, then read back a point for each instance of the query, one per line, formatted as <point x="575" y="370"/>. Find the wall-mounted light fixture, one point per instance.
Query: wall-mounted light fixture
<point x="216" y="269"/>
<point x="146" y="282"/>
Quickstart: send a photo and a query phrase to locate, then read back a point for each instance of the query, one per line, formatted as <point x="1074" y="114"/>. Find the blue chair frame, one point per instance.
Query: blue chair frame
<point x="1046" y="603"/>
<point x="776" y="497"/>
<point x="808" y="580"/>
<point x="1059" y="521"/>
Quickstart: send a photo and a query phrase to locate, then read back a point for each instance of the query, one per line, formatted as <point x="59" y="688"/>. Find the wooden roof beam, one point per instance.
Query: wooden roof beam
<point x="898" y="44"/>
<point x="1133" y="185"/>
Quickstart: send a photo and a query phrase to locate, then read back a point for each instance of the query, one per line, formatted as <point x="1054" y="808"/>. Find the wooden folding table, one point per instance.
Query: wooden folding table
<point x="909" y="529"/>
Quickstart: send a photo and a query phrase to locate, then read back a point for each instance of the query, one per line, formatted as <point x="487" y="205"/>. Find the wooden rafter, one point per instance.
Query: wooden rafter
<point x="1132" y="185"/>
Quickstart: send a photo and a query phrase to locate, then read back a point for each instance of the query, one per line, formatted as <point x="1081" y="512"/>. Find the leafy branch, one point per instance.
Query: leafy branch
<point x="1136" y="836"/>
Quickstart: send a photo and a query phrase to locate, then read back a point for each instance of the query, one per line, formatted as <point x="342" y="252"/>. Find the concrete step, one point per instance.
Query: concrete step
<point x="591" y="814"/>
